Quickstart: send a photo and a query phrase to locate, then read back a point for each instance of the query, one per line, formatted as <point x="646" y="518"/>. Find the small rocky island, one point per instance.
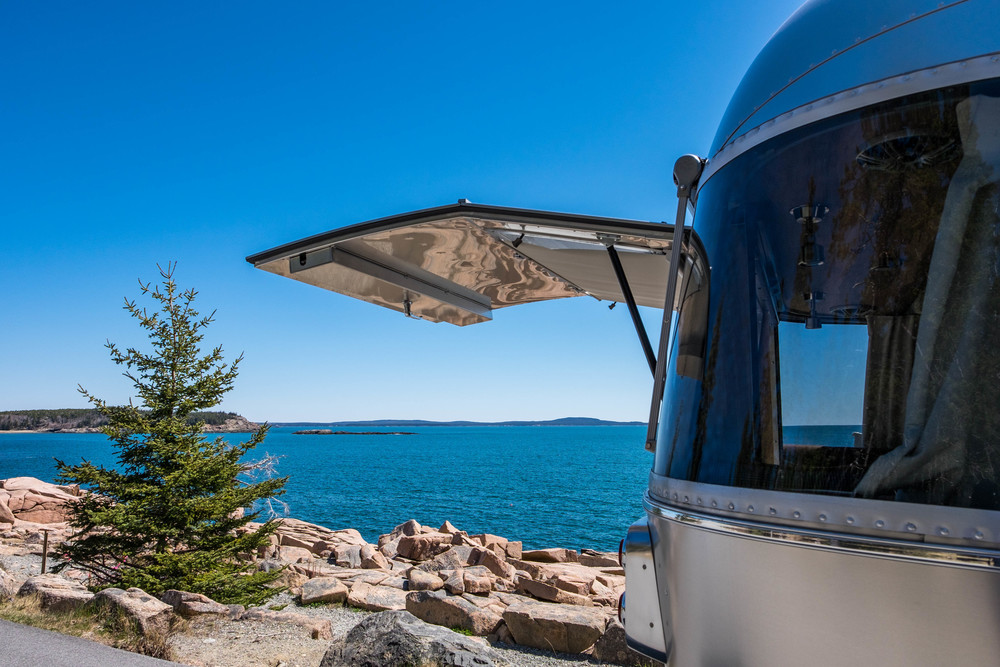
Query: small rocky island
<point x="329" y="431"/>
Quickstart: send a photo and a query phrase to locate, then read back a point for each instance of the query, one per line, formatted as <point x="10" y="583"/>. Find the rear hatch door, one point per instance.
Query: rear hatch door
<point x="460" y="262"/>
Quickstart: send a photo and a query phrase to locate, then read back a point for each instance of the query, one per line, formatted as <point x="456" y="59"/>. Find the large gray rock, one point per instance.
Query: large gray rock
<point x="452" y="611"/>
<point x="56" y="593"/>
<point x="556" y="627"/>
<point x="399" y="638"/>
<point x="611" y="647"/>
<point x="149" y="615"/>
<point x="323" y="589"/>
<point x="193" y="604"/>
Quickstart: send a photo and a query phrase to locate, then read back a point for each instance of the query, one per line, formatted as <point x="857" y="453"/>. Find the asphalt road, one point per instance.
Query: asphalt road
<point x="23" y="645"/>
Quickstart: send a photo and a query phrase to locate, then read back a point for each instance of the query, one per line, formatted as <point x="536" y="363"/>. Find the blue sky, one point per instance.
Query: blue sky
<point x="137" y="134"/>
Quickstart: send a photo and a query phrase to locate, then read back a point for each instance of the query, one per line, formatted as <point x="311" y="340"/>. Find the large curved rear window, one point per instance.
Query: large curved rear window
<point x="848" y="341"/>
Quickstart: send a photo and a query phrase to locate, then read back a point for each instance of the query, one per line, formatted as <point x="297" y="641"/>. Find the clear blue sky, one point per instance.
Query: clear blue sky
<point x="201" y="132"/>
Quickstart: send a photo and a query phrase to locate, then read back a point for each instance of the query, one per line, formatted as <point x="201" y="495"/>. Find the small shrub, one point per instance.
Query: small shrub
<point x="171" y="515"/>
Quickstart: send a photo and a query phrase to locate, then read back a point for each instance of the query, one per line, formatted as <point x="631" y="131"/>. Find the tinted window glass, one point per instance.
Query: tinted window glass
<point x="847" y="332"/>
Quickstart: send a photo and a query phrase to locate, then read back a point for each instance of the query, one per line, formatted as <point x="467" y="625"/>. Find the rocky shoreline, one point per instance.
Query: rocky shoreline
<point x="417" y="581"/>
<point x="234" y="425"/>
<point x="89" y="420"/>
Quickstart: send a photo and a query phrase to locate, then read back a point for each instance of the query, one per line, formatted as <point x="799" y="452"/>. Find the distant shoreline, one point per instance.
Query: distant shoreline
<point x="327" y="431"/>
<point x="75" y="421"/>
<point x="409" y="423"/>
<point x="91" y="420"/>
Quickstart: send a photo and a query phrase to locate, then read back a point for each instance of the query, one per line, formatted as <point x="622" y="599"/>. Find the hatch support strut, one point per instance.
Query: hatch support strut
<point x="633" y="310"/>
<point x="687" y="171"/>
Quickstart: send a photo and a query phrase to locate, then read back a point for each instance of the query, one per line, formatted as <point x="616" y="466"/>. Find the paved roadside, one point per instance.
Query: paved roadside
<point x="23" y="645"/>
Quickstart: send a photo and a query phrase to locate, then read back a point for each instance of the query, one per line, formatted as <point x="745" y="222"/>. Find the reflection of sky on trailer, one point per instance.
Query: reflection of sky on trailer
<point x="822" y="374"/>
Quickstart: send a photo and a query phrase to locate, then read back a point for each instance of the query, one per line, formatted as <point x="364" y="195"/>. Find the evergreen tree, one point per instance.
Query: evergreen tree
<point x="175" y="512"/>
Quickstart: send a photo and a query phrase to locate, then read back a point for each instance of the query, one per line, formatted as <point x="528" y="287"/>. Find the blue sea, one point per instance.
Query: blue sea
<point x="549" y="486"/>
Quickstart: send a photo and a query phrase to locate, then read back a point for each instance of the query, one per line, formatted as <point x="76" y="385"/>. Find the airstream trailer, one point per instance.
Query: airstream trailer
<point x="825" y="418"/>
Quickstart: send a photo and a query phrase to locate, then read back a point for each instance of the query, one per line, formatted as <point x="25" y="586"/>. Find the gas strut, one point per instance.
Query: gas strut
<point x="640" y="329"/>
<point x="687" y="170"/>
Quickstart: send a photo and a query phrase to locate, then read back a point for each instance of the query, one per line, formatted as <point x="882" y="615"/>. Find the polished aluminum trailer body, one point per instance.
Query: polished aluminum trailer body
<point x="853" y="185"/>
<point x="825" y="488"/>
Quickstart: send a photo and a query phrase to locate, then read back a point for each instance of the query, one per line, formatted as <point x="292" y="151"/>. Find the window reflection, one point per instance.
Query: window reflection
<point x="842" y="341"/>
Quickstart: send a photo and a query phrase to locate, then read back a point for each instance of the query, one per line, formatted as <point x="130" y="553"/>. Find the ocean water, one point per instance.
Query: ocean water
<point x="824" y="435"/>
<point x="549" y="486"/>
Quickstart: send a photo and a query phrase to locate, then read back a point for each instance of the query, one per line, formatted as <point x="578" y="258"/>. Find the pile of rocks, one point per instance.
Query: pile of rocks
<point x="486" y="585"/>
<point x="556" y="599"/>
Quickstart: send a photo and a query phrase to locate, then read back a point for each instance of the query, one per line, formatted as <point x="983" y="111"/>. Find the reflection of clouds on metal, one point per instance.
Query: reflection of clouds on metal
<point x="457" y="263"/>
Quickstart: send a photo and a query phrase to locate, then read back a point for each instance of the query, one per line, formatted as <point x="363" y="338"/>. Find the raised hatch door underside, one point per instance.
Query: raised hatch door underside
<point x="458" y="263"/>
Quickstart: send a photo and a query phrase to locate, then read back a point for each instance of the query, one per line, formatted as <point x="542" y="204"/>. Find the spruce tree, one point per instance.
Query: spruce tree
<point x="174" y="513"/>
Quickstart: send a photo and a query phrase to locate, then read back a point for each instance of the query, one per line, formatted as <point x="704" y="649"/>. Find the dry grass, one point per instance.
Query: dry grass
<point x="107" y="627"/>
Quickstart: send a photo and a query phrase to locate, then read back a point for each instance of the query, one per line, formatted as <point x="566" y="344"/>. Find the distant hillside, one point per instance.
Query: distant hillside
<point x="565" y="421"/>
<point x="89" y="420"/>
